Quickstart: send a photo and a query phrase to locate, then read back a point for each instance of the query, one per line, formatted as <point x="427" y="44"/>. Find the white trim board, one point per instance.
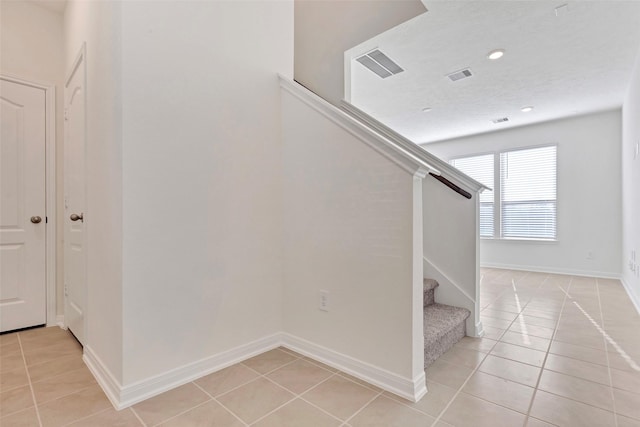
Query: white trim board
<point x="434" y="162"/>
<point x="567" y="271"/>
<point x="122" y="397"/>
<point x="374" y="140"/>
<point x="412" y="389"/>
<point x="109" y="384"/>
<point x="635" y="300"/>
<point x="50" y="191"/>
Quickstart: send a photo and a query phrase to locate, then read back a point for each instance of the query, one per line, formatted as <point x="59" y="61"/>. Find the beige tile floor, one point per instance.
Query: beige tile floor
<point x="559" y="350"/>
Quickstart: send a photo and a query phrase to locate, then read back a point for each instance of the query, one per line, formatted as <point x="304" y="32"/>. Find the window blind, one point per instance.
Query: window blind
<point x="481" y="169"/>
<point x="528" y="193"/>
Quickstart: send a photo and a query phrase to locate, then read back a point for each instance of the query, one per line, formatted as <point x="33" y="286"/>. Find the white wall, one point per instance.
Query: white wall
<point x="324" y="30"/>
<point x="589" y="195"/>
<point x="348" y="230"/>
<point x="202" y="196"/>
<point x="98" y="25"/>
<point x="31" y="41"/>
<point x="631" y="185"/>
<point x="451" y="248"/>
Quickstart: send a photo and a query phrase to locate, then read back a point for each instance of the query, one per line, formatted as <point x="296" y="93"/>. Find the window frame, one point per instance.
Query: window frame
<point x="497" y="192"/>
<point x="494" y="188"/>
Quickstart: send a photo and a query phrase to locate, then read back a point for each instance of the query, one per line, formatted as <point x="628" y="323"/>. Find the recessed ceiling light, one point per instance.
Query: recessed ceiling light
<point x="526" y="109"/>
<point x="495" y="54"/>
<point x="426" y="109"/>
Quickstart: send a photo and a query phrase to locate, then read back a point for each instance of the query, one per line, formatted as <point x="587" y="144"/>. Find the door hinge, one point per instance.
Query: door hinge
<point x="66" y="114"/>
<point x="46" y="220"/>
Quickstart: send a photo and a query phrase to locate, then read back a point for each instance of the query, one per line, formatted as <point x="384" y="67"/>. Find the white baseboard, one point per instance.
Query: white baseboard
<point x="552" y="270"/>
<point x="635" y="299"/>
<point x="124" y="396"/>
<point x="409" y="388"/>
<point x="110" y="385"/>
<point x="479" y="332"/>
<point x="60" y="321"/>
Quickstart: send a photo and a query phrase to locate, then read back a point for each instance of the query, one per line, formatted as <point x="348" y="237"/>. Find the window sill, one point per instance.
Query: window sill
<point x="521" y="240"/>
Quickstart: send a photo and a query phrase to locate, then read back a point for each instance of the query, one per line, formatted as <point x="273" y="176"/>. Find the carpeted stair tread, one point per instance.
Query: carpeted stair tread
<point x="440" y="319"/>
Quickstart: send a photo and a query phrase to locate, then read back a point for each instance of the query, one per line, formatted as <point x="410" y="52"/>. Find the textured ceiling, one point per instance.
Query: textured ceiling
<point x="575" y="63"/>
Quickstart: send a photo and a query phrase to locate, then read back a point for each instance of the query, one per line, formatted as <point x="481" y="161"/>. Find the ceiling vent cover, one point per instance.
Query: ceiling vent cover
<point x="379" y="63"/>
<point x="459" y="75"/>
<point x="501" y="120"/>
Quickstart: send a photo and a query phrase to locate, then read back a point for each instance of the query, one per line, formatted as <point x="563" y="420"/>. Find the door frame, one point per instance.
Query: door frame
<point x="50" y="192"/>
<point x="79" y="61"/>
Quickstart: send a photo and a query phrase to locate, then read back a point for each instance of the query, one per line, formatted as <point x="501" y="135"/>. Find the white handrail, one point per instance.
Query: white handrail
<point x="445" y="169"/>
<point x="391" y="150"/>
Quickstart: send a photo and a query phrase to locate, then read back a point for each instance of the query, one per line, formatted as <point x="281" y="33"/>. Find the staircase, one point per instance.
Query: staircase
<point x="444" y="325"/>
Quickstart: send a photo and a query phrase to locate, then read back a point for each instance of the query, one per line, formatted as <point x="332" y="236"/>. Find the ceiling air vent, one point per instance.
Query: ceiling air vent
<point x="459" y="75"/>
<point x="380" y="64"/>
<point x="501" y="120"/>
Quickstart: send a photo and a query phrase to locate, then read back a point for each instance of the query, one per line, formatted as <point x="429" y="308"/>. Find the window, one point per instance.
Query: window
<point x="528" y="193"/>
<point x="525" y="191"/>
<point x="480" y="168"/>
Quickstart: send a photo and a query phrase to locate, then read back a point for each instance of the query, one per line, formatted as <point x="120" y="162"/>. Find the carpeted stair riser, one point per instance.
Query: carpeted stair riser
<point x="444" y="325"/>
<point x="429" y="287"/>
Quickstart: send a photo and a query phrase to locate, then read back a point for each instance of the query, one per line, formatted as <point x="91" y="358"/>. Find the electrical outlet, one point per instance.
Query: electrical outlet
<point x="323" y="302"/>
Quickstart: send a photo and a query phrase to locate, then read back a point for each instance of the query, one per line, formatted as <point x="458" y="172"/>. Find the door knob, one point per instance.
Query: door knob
<point x="76" y="217"/>
<point x="36" y="219"/>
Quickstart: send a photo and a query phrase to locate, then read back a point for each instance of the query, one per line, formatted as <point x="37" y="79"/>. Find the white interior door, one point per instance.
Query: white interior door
<point x="74" y="202"/>
<point x="23" y="289"/>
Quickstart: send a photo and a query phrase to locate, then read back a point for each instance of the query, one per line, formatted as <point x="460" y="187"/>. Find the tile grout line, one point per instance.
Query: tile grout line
<point x="301" y="396"/>
<point x="606" y="352"/>
<point x="33" y="395"/>
<point x="443" y="411"/>
<point x="69" y="394"/>
<point x="457" y="393"/>
<point x="211" y="399"/>
<point x="218" y="402"/>
<point x="274" y="369"/>
<point x="573" y="358"/>
<point x="138" y="416"/>
<point x="570" y="375"/>
<point x="277" y="408"/>
<point x="544" y="362"/>
<point x="82" y="418"/>
<point x="135" y="414"/>
<point x="265" y="376"/>
<point x="363" y="407"/>
<point x="231" y="389"/>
